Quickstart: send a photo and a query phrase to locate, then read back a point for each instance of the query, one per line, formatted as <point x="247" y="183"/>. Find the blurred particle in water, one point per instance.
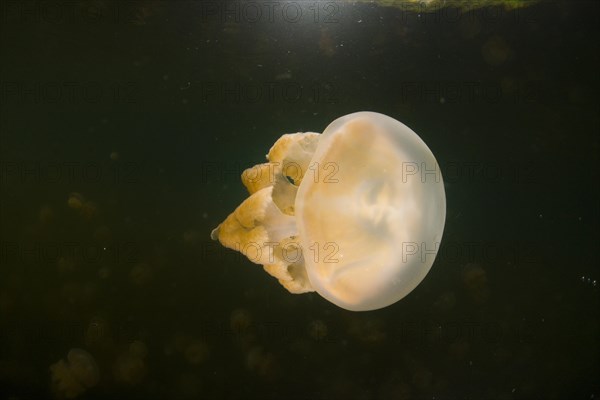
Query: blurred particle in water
<point x="130" y="367"/>
<point x="496" y="51"/>
<point x="114" y="156"/>
<point x="589" y="282"/>
<point x="73" y="377"/>
<point x="317" y="330"/>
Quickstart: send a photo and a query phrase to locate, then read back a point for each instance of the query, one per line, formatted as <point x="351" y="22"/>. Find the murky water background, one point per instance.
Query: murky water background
<point x="125" y="127"/>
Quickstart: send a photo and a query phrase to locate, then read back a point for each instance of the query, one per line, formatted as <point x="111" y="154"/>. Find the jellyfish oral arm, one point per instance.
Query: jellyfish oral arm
<point x="263" y="227"/>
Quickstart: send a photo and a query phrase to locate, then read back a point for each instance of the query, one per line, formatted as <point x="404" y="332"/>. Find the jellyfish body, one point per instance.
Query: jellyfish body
<point x="73" y="377"/>
<point x="356" y="213"/>
<point x="130" y="367"/>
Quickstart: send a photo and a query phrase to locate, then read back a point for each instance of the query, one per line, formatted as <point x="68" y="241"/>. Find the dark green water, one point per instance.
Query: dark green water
<point x="145" y="113"/>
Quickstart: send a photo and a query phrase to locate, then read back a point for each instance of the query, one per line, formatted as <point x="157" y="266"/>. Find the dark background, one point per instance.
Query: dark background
<point x="125" y="127"/>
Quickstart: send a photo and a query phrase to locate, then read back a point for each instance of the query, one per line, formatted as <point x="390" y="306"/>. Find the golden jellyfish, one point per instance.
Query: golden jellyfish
<point x="355" y="213"/>
<point x="73" y="377"/>
<point x="240" y="321"/>
<point x="262" y="362"/>
<point x="317" y="330"/>
<point x="76" y="201"/>
<point x="130" y="367"/>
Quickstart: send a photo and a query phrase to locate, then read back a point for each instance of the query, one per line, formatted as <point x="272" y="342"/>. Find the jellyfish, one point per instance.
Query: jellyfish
<point x="317" y="330"/>
<point x="72" y="378"/>
<point x="130" y="367"/>
<point x="240" y="321"/>
<point x="87" y="209"/>
<point x="356" y="213"/>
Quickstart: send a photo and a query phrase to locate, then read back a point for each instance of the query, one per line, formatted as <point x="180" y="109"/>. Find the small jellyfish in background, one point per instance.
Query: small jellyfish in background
<point x="262" y="363"/>
<point x="240" y="321"/>
<point x="75" y="201"/>
<point x="476" y="282"/>
<point x="317" y="330"/>
<point x="73" y="377"/>
<point x="130" y="366"/>
<point x="356" y="213"/>
<point x="197" y="352"/>
<point x="86" y="209"/>
<point x="368" y="330"/>
<point x="47" y="215"/>
<point x="243" y="330"/>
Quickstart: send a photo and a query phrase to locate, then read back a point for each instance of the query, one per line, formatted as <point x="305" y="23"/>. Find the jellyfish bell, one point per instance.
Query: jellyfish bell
<point x="76" y="375"/>
<point x="355" y="214"/>
<point x="83" y="367"/>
